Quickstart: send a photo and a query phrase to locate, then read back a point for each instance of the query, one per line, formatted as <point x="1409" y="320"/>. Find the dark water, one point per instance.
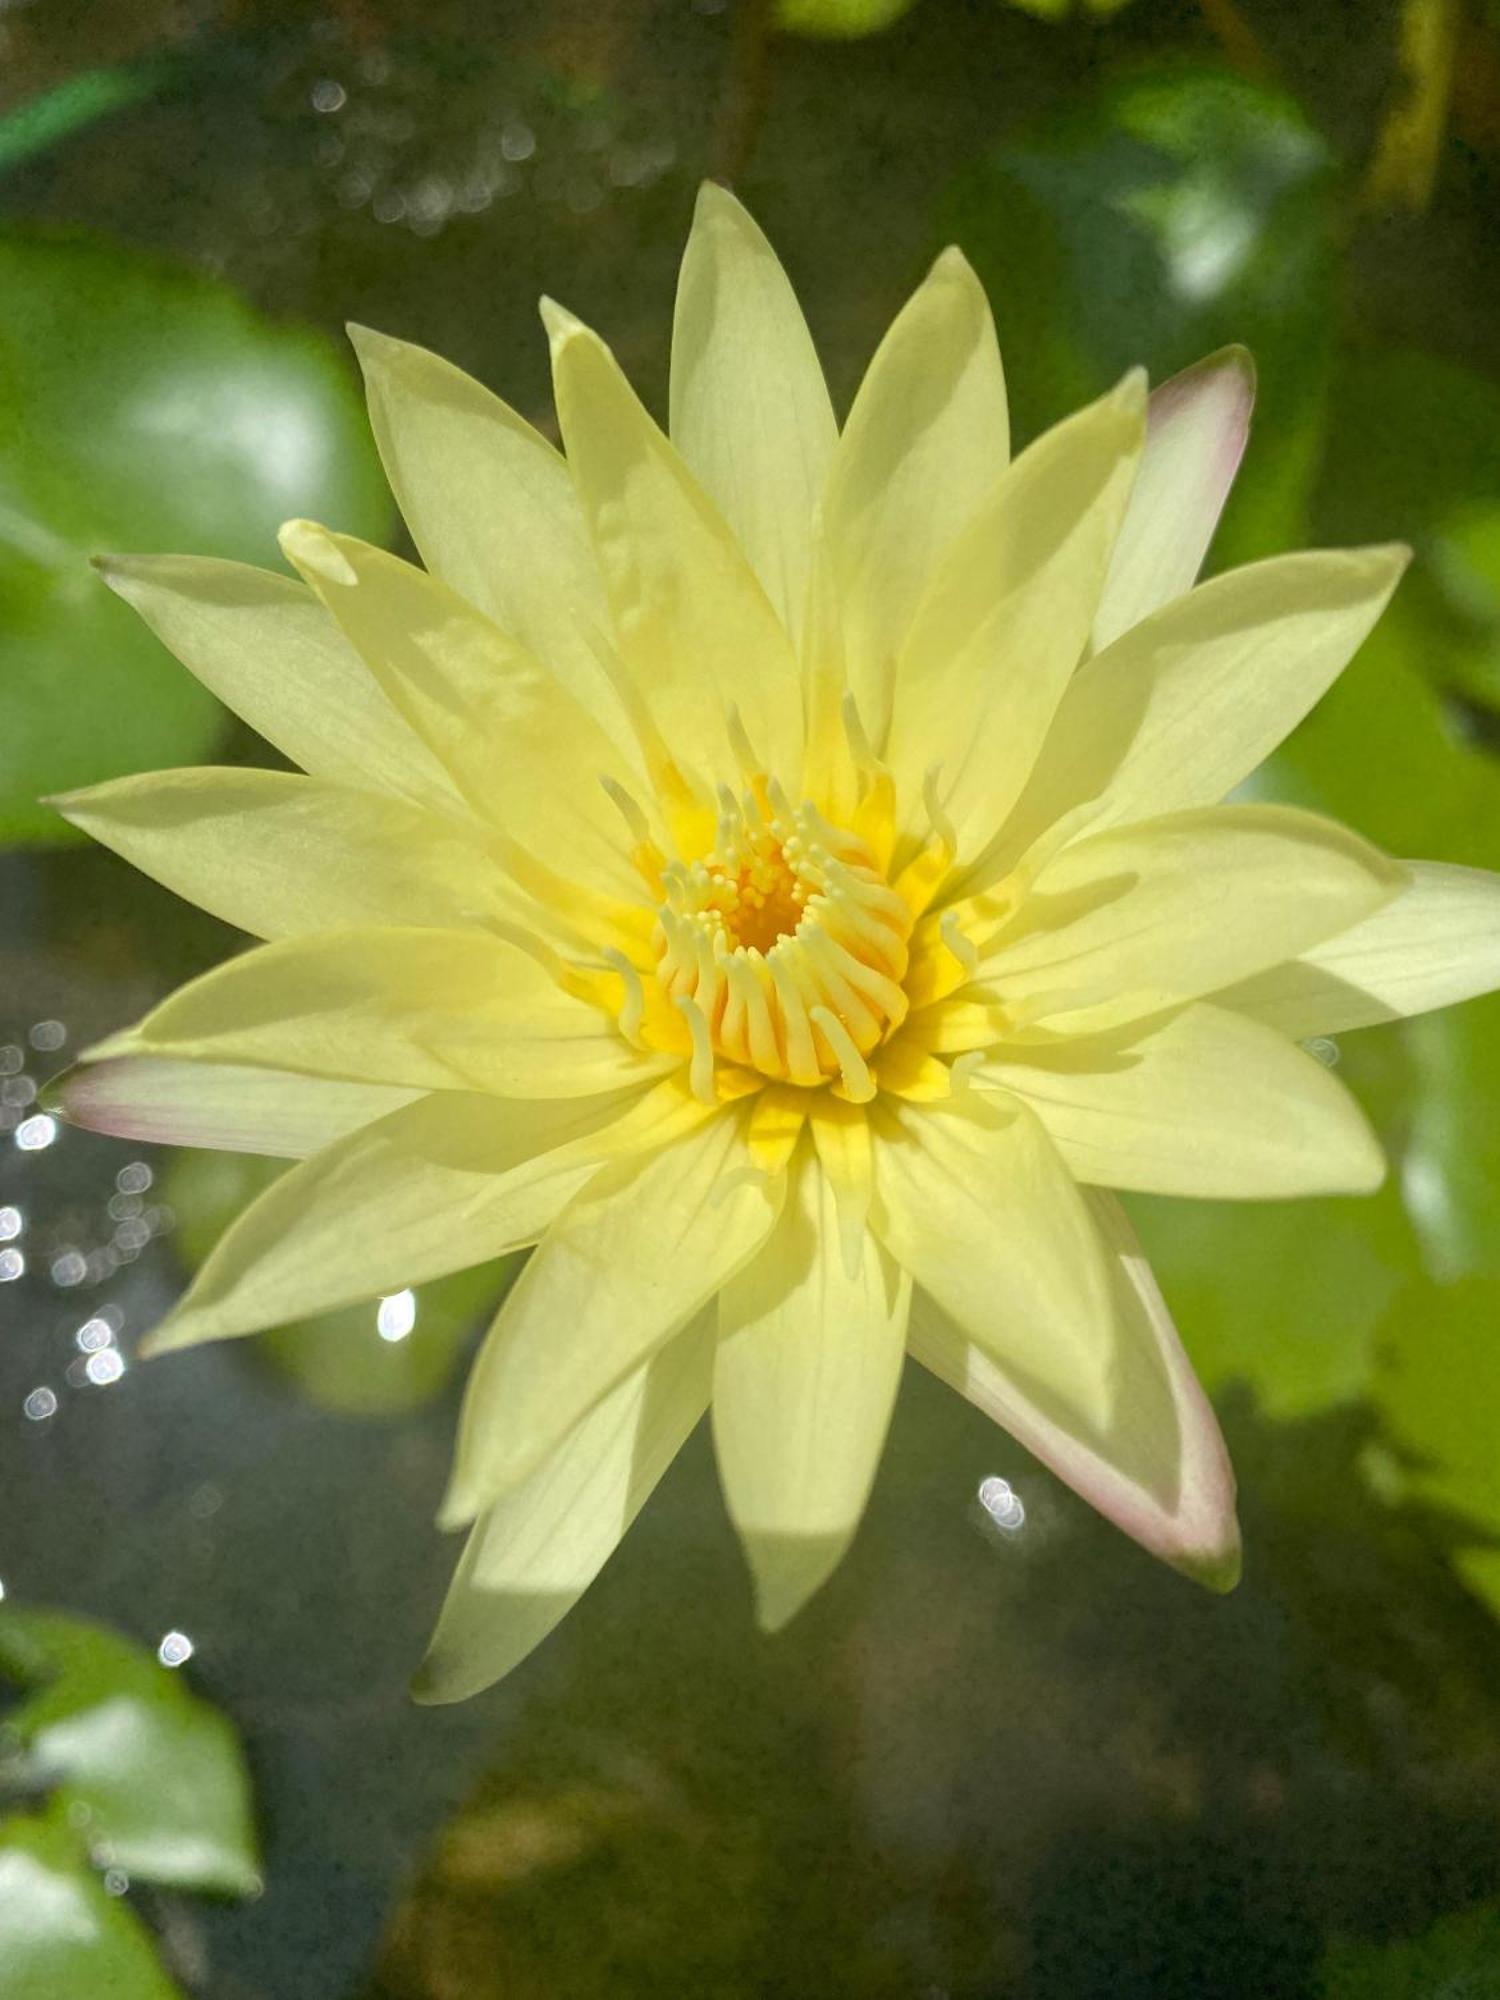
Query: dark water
<point x="981" y="1764"/>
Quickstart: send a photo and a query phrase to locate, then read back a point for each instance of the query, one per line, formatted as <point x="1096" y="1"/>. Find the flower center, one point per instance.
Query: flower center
<point x="785" y="947"/>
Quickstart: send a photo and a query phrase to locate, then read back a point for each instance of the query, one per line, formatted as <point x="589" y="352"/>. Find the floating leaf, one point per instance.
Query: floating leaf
<point x="839" y="20"/>
<point x="1458" y="1958"/>
<point x="153" y="1774"/>
<point x="63" y="1936"/>
<point x="144" y="408"/>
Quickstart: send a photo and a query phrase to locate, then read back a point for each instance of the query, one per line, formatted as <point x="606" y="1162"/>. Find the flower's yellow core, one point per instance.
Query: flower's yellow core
<point x="785" y="947"/>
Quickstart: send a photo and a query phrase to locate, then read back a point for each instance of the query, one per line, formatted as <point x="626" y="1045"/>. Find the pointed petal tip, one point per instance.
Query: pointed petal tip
<point x="1218" y="1569"/>
<point x="562" y="326"/>
<point x="309" y="546"/>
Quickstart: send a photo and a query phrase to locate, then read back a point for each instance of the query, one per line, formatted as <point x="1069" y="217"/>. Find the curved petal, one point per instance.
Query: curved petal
<point x="231" y="1110"/>
<point x="533" y="1555"/>
<point x="805" y="1379"/>
<point x="433" y="1010"/>
<point x="1195" y="438"/>
<point x="267" y="649"/>
<point x="1204" y="1104"/>
<point x="492" y="511"/>
<point x="972" y="1199"/>
<point x="695" y="630"/>
<point x="1188" y="702"/>
<point x="447" y="1182"/>
<point x="749" y="408"/>
<point x="1142" y="918"/>
<point x="524" y="754"/>
<point x="927" y="438"/>
<point x="1437" y="943"/>
<point x="277" y="854"/>
<point x="1006" y="617"/>
<point x="1157" y="1468"/>
<point x="622" y="1269"/>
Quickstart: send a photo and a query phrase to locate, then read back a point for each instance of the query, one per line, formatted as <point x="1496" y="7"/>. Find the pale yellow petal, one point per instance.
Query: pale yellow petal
<point x="695" y="630"/>
<point x="278" y="854"/>
<point x="526" y="756"/>
<point x="449" y="1181"/>
<point x="1205" y="1104"/>
<point x="267" y="649"/>
<point x="1195" y="437"/>
<point x="1156" y="1466"/>
<point x="170" y="1103"/>
<point x="493" y="513"/>
<point x="532" y="1556"/>
<point x="926" y="440"/>
<point x="1186" y="704"/>
<point x="973" y="1200"/>
<point x="805" y="1379"/>
<point x="750" y="409"/>
<point x="622" y="1269"/>
<point x="1004" y="622"/>
<point x="1142" y="918"/>
<point x="1436" y="943"/>
<point x="433" y="1010"/>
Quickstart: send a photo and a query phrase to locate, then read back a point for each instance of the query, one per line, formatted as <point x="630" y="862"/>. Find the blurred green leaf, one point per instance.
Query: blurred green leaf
<point x="1062" y="10"/>
<point x="373" y="1360"/>
<point x="1452" y="1169"/>
<point x="144" y="408"/>
<point x="78" y="102"/>
<point x="1177" y="212"/>
<point x="63" y="1936"/>
<point x="154" y="1774"/>
<point x="839" y="20"/>
<point x="1457" y="1959"/>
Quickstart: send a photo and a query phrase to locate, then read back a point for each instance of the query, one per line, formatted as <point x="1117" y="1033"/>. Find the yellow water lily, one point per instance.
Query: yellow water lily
<point x="781" y="873"/>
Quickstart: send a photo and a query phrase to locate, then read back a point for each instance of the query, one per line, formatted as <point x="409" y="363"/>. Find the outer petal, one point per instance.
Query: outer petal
<point x="1140" y="919"/>
<point x="433" y="1010"/>
<point x="1438" y="942"/>
<point x="1006" y="617"/>
<point x="1196" y="436"/>
<point x="1205" y="1104"/>
<point x="750" y="408"/>
<point x="492" y="511"/>
<point x="532" y="1556"/>
<point x="232" y="1110"/>
<point x="621" y="1270"/>
<point x="449" y="1181"/>
<point x="278" y="854"/>
<point x="695" y="630"/>
<point x="523" y="752"/>
<point x="1188" y="702"/>
<point x="805" y="1380"/>
<point x="1157" y="1468"/>
<point x="972" y="1199"/>
<point x="267" y="648"/>
<point x="927" y="438"/>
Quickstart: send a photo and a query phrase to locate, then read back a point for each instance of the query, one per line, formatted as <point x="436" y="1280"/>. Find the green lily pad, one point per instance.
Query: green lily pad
<point x="152" y="1776"/>
<point x="839" y="20"/>
<point x="63" y="1935"/>
<point x="142" y="407"/>
<point x="1458" y="1958"/>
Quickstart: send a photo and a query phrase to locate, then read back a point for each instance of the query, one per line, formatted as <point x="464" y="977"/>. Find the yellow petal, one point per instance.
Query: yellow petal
<point x="695" y="630"/>
<point x="1006" y="617"/>
<point x="532" y="1556"/>
<point x="232" y="1110"/>
<point x="525" y="755"/>
<point x="433" y="1010"/>
<point x="805" y="1380"/>
<point x="493" y="513"/>
<point x="1157" y="1466"/>
<point x="926" y="440"/>
<point x="972" y="1199"/>
<point x="750" y="409"/>
<point x="1187" y="703"/>
<point x="449" y="1181"/>
<point x="268" y="650"/>
<point x="278" y="854"/>
<point x="1142" y="918"/>
<point x="621" y="1270"/>
<point x="1438" y="942"/>
<point x="1195" y="437"/>
<point x="1205" y="1103"/>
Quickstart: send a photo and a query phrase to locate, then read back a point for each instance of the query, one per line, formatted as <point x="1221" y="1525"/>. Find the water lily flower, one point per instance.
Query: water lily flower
<point x="782" y="873"/>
